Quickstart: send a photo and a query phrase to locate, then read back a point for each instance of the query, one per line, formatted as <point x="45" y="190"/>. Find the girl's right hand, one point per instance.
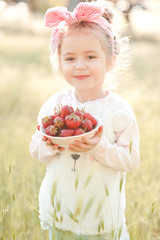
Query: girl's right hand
<point x="53" y="146"/>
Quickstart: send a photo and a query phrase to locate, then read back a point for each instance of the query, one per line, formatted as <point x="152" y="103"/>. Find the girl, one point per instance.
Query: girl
<point x="88" y="203"/>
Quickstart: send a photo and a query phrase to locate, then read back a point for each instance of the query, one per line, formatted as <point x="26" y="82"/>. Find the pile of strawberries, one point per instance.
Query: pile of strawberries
<point x="66" y="122"/>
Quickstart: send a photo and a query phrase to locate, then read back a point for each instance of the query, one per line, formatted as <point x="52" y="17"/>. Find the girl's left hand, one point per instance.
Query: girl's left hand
<point x="86" y="144"/>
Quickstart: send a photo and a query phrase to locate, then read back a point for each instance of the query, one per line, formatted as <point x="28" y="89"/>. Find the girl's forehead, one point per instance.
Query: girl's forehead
<point x="82" y="40"/>
<point x="82" y="32"/>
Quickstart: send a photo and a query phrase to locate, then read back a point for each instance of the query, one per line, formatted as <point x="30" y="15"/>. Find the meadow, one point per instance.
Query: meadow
<point x="26" y="81"/>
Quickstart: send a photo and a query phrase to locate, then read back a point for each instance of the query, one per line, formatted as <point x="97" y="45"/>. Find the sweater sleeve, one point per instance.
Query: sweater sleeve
<point x="38" y="148"/>
<point x="123" y="155"/>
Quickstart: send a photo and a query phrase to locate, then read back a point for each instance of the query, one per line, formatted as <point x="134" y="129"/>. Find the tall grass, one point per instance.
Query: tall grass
<point x="26" y="81"/>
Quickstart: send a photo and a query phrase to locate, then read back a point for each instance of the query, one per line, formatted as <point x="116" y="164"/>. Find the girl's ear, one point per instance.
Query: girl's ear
<point x="110" y="63"/>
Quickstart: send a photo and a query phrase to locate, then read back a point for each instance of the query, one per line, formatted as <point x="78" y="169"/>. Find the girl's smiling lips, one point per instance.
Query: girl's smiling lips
<point x="81" y="77"/>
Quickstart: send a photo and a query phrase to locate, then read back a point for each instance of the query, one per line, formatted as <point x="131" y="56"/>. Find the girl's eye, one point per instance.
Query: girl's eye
<point x="69" y="59"/>
<point x="91" y="57"/>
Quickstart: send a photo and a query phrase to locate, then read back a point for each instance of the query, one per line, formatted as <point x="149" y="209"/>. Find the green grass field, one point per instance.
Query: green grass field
<point x="26" y="81"/>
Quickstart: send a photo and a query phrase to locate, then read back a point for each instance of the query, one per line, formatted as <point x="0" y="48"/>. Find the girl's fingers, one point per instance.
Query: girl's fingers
<point x="95" y="139"/>
<point x="88" y="141"/>
<point x="49" y="142"/>
<point x="80" y="147"/>
<point x="79" y="144"/>
<point x="44" y="138"/>
<point x="91" y="141"/>
<point x="100" y="128"/>
<point x="75" y="148"/>
<point x="99" y="132"/>
<point x="54" y="146"/>
<point x="38" y="127"/>
<point x="61" y="148"/>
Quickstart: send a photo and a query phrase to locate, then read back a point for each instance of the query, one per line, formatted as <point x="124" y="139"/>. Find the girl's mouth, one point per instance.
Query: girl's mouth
<point x="81" y="77"/>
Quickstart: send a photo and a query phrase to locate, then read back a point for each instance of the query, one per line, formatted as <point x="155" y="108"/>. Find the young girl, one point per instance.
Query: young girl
<point x="88" y="203"/>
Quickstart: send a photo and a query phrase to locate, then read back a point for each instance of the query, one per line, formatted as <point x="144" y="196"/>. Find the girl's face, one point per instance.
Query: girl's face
<point x="83" y="61"/>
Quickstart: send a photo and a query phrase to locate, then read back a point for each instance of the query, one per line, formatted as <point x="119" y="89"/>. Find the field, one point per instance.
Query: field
<point x="26" y="81"/>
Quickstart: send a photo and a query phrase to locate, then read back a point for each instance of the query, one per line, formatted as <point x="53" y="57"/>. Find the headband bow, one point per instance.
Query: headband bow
<point x="58" y="17"/>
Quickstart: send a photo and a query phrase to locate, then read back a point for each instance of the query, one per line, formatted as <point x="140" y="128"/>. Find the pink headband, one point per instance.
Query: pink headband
<point x="59" y="17"/>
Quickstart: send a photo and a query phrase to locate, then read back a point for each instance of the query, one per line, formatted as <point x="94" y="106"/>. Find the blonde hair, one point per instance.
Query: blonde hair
<point x="119" y="46"/>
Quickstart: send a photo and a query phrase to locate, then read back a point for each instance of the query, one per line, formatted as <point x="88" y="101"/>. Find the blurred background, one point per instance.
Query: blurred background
<point x="27" y="80"/>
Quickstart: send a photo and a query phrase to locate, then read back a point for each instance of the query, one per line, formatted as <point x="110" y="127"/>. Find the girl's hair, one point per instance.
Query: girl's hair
<point x="118" y="46"/>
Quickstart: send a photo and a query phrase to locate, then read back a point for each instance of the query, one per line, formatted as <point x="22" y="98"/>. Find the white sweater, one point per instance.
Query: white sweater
<point x="98" y="184"/>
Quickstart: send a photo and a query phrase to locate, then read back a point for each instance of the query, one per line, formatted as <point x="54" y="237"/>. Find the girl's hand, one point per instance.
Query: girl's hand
<point x="53" y="146"/>
<point x="86" y="144"/>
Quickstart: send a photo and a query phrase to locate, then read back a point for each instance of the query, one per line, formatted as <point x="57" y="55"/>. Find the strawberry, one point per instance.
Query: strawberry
<point x="79" y="131"/>
<point x="79" y="113"/>
<point x="57" y="113"/>
<point x="65" y="110"/>
<point x="59" y="122"/>
<point x="87" y="125"/>
<point x="66" y="132"/>
<point x="47" y="121"/>
<point x="91" y="118"/>
<point x="52" y="130"/>
<point x="72" y="121"/>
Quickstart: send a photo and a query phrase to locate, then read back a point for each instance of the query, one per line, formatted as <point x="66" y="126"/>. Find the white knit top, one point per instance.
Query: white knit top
<point x="91" y="198"/>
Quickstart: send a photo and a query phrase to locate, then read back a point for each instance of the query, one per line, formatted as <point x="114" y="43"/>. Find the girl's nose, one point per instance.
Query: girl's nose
<point x="80" y="65"/>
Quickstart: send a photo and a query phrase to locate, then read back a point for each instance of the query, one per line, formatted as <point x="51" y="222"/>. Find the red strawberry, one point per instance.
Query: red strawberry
<point x="57" y="113"/>
<point x="72" y="121"/>
<point x="79" y="113"/>
<point x="66" y="132"/>
<point x="87" y="125"/>
<point x="91" y="118"/>
<point x="65" y="110"/>
<point x="79" y="131"/>
<point x="52" y="130"/>
<point x="47" y="121"/>
<point x="59" y="122"/>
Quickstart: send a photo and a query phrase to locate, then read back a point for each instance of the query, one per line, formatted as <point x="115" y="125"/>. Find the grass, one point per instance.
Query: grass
<point x="26" y="82"/>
